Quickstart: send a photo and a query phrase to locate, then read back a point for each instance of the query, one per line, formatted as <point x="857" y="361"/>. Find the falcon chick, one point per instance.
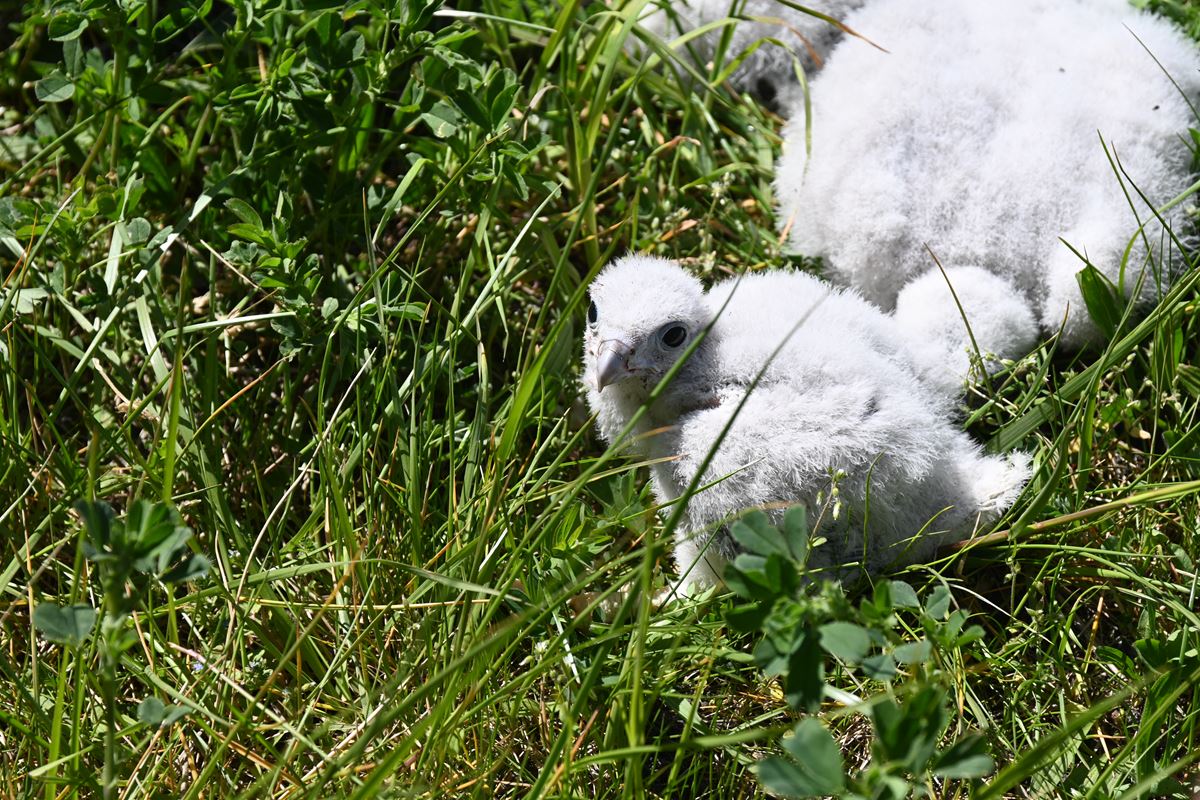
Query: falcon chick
<point x="1025" y="139"/>
<point x="841" y="420"/>
<point x="981" y="134"/>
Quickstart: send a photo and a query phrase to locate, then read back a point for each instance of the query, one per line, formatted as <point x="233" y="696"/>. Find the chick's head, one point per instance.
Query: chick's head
<point x="644" y="312"/>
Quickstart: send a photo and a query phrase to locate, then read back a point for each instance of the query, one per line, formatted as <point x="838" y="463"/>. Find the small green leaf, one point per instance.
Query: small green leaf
<point x="818" y="754"/>
<point x="783" y="777"/>
<point x="770" y="658"/>
<point x="966" y="758"/>
<point x="471" y="108"/>
<point x="846" y="641"/>
<point x="502" y="104"/>
<point x="755" y="532"/>
<point x="880" y="605"/>
<point x="329" y="307"/>
<point x="1182" y="558"/>
<point x="881" y="667"/>
<point x="67" y="26"/>
<point x="137" y="230"/>
<point x="69" y="625"/>
<point x="157" y="558"/>
<point x="746" y="576"/>
<point x="748" y="617"/>
<point x="405" y="311"/>
<point x="938" y="603"/>
<point x="909" y="733"/>
<point x="795" y="532"/>
<point x="351" y="47"/>
<point x="1152" y="651"/>
<point x="177" y="17"/>
<point x="148" y="525"/>
<point x="1119" y="659"/>
<point x="442" y="119"/>
<point x="954" y="623"/>
<point x="174" y="714"/>
<point x="26" y="300"/>
<point x="817" y="770"/>
<point x="1101" y="298"/>
<point x="971" y="634"/>
<point x="251" y="233"/>
<point x="913" y="652"/>
<point x="151" y="710"/>
<point x="805" y="682"/>
<point x="98" y="520"/>
<point x="191" y="568"/>
<point x="154" y="712"/>
<point x="904" y="596"/>
<point x="54" y="88"/>
<point x="244" y="211"/>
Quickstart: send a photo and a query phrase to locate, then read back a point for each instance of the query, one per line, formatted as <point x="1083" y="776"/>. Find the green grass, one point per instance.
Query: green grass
<point x="314" y="277"/>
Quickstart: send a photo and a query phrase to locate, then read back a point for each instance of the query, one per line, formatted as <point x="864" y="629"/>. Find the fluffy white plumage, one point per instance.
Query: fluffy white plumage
<point x="843" y="397"/>
<point x="930" y="313"/>
<point x="978" y="133"/>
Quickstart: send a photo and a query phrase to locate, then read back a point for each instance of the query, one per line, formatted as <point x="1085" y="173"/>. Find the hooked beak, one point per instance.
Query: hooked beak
<point x="612" y="362"/>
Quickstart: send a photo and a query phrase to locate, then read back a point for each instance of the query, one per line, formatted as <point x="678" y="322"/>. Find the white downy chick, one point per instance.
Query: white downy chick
<point x="978" y="134"/>
<point x="840" y="422"/>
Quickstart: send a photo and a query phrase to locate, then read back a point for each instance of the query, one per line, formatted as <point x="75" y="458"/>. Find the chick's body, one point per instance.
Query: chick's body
<point x="838" y="404"/>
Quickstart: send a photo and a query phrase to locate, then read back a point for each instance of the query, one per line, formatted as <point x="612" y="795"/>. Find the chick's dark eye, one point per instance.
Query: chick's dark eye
<point x="593" y="314"/>
<point x="674" y="336"/>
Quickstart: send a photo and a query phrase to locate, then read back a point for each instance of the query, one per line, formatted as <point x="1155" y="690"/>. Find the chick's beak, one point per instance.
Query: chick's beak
<point x="612" y="362"/>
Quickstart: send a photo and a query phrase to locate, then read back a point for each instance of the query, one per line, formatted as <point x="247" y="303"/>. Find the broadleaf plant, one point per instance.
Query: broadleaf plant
<point x="151" y="542"/>
<point x="808" y="625"/>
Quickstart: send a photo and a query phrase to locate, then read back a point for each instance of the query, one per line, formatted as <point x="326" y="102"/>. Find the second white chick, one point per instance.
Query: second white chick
<point x="976" y="130"/>
<point x="980" y="135"/>
<point x="840" y="422"/>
